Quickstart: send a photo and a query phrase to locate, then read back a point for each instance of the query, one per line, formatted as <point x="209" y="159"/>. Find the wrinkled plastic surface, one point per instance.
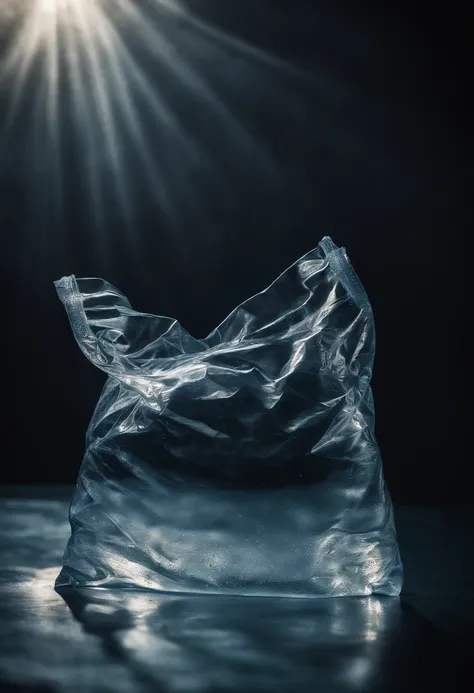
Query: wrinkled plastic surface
<point x="242" y="463"/>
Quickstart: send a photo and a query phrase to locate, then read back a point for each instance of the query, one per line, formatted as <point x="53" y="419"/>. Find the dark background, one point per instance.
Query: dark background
<point x="366" y="137"/>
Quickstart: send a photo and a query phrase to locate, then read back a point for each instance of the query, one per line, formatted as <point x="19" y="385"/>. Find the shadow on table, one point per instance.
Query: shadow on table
<point x="194" y="643"/>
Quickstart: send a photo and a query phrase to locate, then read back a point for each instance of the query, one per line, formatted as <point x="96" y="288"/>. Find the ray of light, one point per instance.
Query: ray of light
<point x="88" y="31"/>
<point x="81" y="115"/>
<point x="124" y="94"/>
<point x="81" y="48"/>
<point x="186" y="74"/>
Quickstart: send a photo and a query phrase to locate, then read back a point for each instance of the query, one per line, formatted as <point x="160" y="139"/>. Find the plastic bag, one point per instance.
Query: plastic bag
<point x="242" y="463"/>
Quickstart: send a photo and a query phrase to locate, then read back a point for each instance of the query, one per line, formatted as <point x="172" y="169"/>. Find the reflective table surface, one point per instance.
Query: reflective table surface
<point x="98" y="640"/>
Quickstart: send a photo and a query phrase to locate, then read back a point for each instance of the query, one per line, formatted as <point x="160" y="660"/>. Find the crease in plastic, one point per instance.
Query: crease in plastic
<point x="243" y="463"/>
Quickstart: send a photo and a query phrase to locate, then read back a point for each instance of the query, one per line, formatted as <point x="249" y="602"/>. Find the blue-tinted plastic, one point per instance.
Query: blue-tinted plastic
<point x="243" y="463"/>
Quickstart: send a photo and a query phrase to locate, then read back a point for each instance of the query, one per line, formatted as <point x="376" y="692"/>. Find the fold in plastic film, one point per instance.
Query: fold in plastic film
<point x="243" y="463"/>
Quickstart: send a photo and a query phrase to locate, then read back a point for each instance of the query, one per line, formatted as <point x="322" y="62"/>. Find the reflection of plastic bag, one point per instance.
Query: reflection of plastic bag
<point x="189" y="643"/>
<point x="241" y="463"/>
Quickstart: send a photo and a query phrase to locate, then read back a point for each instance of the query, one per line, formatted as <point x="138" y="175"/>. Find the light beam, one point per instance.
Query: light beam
<point x="82" y="51"/>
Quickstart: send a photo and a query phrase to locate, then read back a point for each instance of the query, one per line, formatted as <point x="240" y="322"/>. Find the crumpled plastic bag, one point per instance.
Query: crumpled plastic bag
<point x="242" y="463"/>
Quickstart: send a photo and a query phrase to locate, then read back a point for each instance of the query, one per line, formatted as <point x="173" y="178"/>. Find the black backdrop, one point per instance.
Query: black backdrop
<point x="365" y="138"/>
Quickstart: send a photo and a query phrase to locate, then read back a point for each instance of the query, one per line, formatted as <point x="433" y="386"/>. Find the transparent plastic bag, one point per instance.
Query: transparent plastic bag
<point x="243" y="463"/>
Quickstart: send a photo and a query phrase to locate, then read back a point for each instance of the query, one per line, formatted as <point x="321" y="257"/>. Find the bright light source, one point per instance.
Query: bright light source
<point x="55" y="7"/>
<point x="77" y="57"/>
<point x="77" y="45"/>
